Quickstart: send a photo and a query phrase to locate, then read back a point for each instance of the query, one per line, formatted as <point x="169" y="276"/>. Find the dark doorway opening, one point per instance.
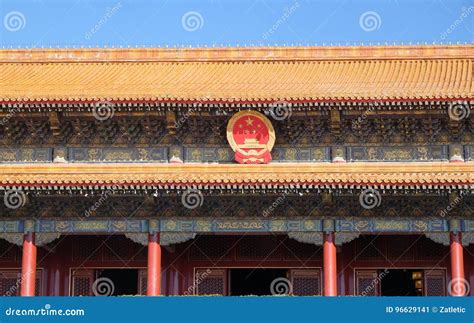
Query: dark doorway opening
<point x="253" y="281"/>
<point x="402" y="282"/>
<point x="125" y="281"/>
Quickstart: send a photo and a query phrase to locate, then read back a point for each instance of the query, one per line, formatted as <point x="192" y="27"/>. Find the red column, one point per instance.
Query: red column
<point x="458" y="285"/>
<point x="28" y="265"/>
<point x="154" y="265"/>
<point x="330" y="265"/>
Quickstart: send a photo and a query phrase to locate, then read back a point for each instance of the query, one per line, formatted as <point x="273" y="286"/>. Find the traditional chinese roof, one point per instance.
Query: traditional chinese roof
<point x="238" y="75"/>
<point x="422" y="175"/>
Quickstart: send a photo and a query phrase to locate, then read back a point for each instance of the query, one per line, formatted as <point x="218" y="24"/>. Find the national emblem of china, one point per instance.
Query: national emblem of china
<point x="251" y="136"/>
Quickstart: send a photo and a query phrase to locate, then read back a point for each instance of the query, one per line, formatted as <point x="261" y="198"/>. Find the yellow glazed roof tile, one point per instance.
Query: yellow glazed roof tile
<point x="238" y="74"/>
<point x="441" y="174"/>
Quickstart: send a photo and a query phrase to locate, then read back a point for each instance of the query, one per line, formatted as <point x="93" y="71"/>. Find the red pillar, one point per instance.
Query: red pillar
<point x="458" y="285"/>
<point x="330" y="265"/>
<point x="154" y="265"/>
<point x="28" y="265"/>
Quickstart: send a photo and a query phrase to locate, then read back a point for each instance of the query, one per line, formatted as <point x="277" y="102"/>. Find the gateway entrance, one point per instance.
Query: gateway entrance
<point x="257" y="282"/>
<point x="401" y="282"/>
<point x="123" y="281"/>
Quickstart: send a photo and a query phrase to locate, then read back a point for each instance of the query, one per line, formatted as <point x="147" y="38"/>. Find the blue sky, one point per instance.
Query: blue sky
<point x="125" y="23"/>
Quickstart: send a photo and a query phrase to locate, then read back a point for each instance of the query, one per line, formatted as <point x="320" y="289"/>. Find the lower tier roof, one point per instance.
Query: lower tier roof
<point x="313" y="175"/>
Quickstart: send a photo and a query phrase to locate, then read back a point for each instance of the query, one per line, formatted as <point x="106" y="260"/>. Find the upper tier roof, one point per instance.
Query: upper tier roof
<point x="294" y="74"/>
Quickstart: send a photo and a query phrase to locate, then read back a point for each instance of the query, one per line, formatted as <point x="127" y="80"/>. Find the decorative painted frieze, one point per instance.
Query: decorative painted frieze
<point x="43" y="238"/>
<point x="244" y="225"/>
<point x="26" y="155"/>
<point x="439" y="237"/>
<point x="391" y="225"/>
<point x="315" y="238"/>
<point x="467" y="238"/>
<point x="105" y="226"/>
<point x="469" y="152"/>
<point x="168" y="238"/>
<point x="117" y="154"/>
<point x="341" y="238"/>
<point x="398" y="153"/>
<point x="225" y="225"/>
<point x="14" y="238"/>
<point x="140" y="238"/>
<point x="208" y="154"/>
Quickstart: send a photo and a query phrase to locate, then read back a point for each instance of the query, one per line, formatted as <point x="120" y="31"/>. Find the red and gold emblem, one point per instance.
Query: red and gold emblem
<point x="251" y="136"/>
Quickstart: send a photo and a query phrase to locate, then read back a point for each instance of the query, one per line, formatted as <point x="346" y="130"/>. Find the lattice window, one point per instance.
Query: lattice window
<point x="306" y="282"/>
<point x="435" y="283"/>
<point x="142" y="281"/>
<point x="367" y="283"/>
<point x="82" y="281"/>
<point x="258" y="248"/>
<point x="211" y="282"/>
<point x="39" y="283"/>
<point x="211" y="247"/>
<point x="10" y="282"/>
